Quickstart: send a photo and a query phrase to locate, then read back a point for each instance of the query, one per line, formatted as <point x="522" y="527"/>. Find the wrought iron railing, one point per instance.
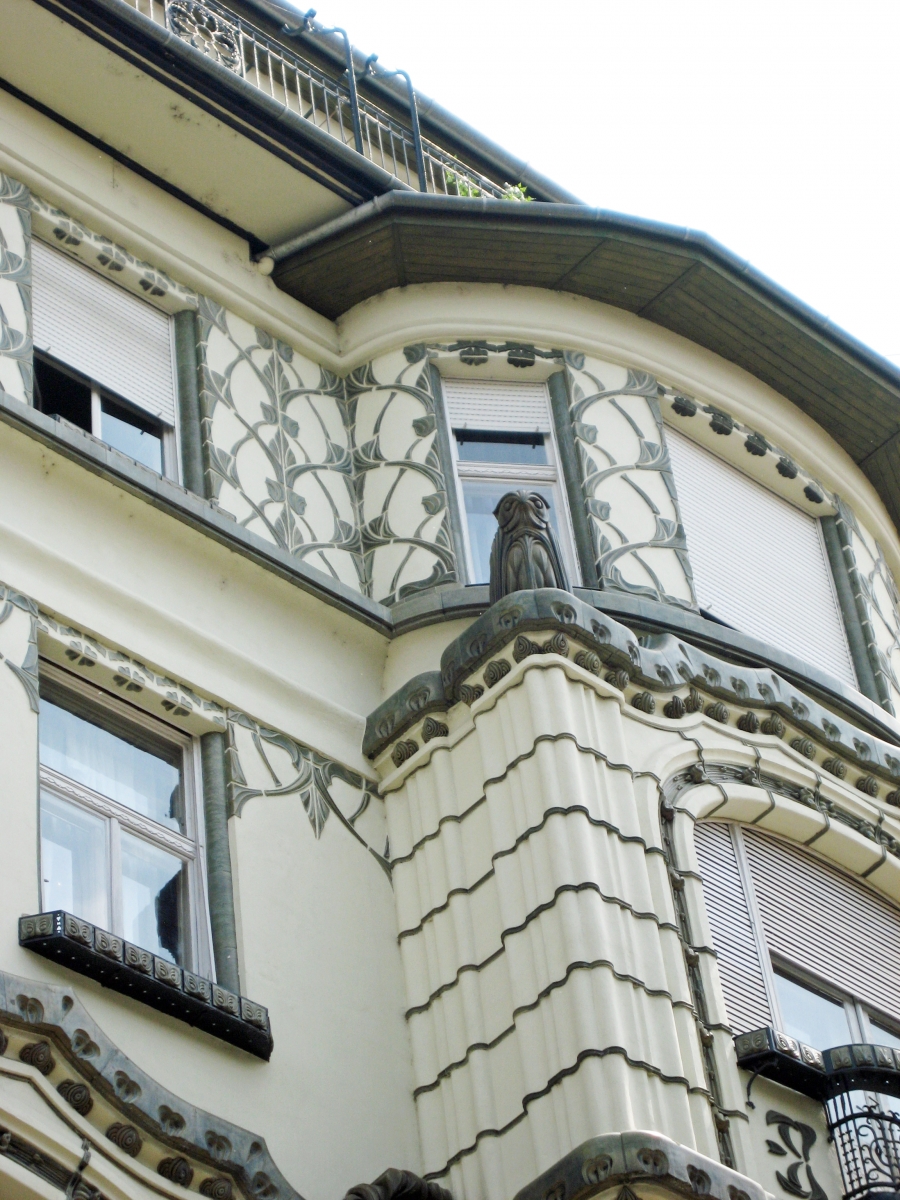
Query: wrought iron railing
<point x="866" y="1136"/>
<point x="281" y="73"/>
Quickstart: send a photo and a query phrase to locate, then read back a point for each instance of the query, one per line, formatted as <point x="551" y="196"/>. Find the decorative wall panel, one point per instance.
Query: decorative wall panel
<point x="279" y="456"/>
<point x="400" y="484"/>
<point x="630" y="498"/>
<point x="343" y="474"/>
<point x="15" y="289"/>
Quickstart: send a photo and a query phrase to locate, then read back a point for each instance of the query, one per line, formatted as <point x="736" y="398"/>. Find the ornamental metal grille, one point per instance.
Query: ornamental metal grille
<point x="242" y="48"/>
<point x="866" y="1135"/>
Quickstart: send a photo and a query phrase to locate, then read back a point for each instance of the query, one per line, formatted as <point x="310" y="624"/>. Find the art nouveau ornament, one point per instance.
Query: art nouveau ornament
<point x="524" y="554"/>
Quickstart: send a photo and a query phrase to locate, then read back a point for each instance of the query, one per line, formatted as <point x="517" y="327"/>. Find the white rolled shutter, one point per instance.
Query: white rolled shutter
<point x="734" y="942"/>
<point x="828" y="922"/>
<point x="759" y="563"/>
<point x="100" y="330"/>
<point x="507" y="407"/>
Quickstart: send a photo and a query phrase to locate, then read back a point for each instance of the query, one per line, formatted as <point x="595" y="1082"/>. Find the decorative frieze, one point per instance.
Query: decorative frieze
<point x="178" y="1141"/>
<point x="106" y="258"/>
<point x="750" y="698"/>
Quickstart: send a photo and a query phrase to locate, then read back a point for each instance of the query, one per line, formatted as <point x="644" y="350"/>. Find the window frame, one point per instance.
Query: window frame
<point x="190" y="846"/>
<point x="549" y="475"/>
<point x="169" y="436"/>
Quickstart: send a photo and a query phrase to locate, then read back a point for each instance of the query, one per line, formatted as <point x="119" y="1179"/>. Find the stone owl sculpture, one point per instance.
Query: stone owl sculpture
<point x="524" y="553"/>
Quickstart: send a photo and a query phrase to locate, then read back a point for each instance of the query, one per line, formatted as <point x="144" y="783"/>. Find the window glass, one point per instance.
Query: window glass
<point x="74" y="861"/>
<point x="520" y="448"/>
<point x="811" y="1017"/>
<point x="884" y="1037"/>
<point x="481" y="497"/>
<point x="106" y="763"/>
<point x="137" y="438"/>
<point x="152" y="897"/>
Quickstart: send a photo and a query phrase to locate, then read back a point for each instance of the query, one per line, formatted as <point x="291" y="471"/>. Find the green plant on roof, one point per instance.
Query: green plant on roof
<point x="461" y="185"/>
<point x="516" y="191"/>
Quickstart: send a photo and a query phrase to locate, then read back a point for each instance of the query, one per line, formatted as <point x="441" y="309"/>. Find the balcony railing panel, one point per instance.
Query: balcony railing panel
<point x="866" y="1135"/>
<point x="242" y="48"/>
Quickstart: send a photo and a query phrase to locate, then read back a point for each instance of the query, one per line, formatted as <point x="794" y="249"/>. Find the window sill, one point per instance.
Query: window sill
<point x="134" y="972"/>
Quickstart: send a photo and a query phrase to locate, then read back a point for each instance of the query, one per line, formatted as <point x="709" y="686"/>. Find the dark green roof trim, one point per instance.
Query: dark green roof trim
<point x="165" y="57"/>
<point x="677" y="278"/>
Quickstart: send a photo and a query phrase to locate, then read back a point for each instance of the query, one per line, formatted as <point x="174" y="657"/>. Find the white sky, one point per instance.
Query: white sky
<point x="771" y="126"/>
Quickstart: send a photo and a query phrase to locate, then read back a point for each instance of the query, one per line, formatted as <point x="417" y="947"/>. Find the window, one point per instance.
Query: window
<point x="120" y="842"/>
<point x="503" y="441"/>
<point x="60" y="393"/>
<point x="103" y="360"/>
<point x="800" y="945"/>
<point x="759" y="563"/>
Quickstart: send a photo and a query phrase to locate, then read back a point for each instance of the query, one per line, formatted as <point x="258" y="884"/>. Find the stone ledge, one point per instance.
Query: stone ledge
<point x="638" y="1157"/>
<point x="135" y="972"/>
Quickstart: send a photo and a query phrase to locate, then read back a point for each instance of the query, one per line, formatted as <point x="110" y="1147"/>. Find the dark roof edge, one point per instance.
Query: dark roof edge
<point x="331" y="164"/>
<point x="438" y="122"/>
<point x="604" y="221"/>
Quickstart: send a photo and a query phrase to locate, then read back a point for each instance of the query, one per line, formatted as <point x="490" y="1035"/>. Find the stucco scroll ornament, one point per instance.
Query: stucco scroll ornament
<point x="524" y="554"/>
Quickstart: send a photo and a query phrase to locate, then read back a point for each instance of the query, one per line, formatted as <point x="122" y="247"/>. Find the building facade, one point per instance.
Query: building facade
<point x="332" y="853"/>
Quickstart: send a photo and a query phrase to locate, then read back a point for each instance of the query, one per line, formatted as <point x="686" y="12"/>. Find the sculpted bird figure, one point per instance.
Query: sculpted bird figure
<point x="524" y="553"/>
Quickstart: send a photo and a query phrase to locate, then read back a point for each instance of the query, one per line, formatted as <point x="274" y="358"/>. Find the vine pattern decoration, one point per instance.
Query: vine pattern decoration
<point x="341" y="474"/>
<point x="629" y="491"/>
<point x="15" y="289"/>
<point x="266" y="764"/>
<point x="18" y="640"/>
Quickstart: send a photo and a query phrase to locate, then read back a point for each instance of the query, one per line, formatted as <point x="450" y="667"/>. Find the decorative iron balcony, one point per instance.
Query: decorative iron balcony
<point x="866" y="1136"/>
<point x="281" y="73"/>
<point x="857" y="1085"/>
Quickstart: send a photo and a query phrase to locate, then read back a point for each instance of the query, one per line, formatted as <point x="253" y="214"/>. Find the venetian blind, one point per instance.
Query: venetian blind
<point x="759" y="563"/>
<point x="831" y="924"/>
<point x="100" y="330"/>
<point x="515" y="407"/>
<point x="740" y="970"/>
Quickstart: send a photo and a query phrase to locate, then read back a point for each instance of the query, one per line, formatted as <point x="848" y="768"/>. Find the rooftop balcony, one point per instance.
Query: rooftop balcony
<point x="240" y="46"/>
